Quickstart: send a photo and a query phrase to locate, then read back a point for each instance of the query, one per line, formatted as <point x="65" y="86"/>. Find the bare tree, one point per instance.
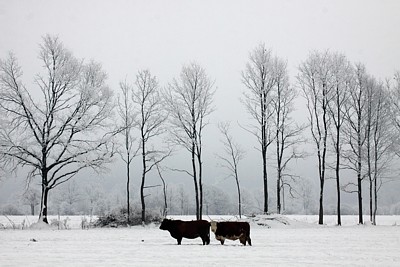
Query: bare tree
<point x="305" y="192"/>
<point x="31" y="197"/>
<point x="342" y="75"/>
<point x="68" y="196"/>
<point x="151" y="116"/>
<point x="165" y="209"/>
<point x="71" y="193"/>
<point x="395" y="108"/>
<point x="65" y="129"/>
<point x="94" y="194"/>
<point x="189" y="101"/>
<point x="356" y="131"/>
<point x="382" y="132"/>
<point x="127" y="115"/>
<point x="259" y="79"/>
<point x="315" y="79"/>
<point x="232" y="155"/>
<point x="182" y="199"/>
<point x="287" y="132"/>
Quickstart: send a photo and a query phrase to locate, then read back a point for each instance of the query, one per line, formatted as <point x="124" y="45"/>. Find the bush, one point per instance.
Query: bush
<point x="11" y="209"/>
<point x="117" y="218"/>
<point x="60" y="224"/>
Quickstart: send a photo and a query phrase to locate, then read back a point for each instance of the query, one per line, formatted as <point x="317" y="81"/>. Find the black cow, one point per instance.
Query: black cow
<point x="232" y="231"/>
<point x="187" y="229"/>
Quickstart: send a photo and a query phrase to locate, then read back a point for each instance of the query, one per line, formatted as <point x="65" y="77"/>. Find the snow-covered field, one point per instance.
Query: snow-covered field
<point x="277" y="241"/>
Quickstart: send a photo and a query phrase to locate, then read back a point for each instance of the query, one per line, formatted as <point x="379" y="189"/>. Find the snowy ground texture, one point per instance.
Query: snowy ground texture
<point x="277" y="241"/>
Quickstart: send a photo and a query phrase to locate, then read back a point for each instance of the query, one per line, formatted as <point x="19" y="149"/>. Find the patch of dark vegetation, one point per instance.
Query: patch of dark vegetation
<point x="118" y="218"/>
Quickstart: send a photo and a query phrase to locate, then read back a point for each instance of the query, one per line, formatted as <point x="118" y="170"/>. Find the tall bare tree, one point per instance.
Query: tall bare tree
<point x="127" y="115"/>
<point x="149" y="105"/>
<point x="189" y="100"/>
<point x="164" y="212"/>
<point x="64" y="129"/>
<point x="370" y="95"/>
<point x="382" y="139"/>
<point x="231" y="157"/>
<point x="356" y="131"/>
<point x="31" y="197"/>
<point x="287" y="132"/>
<point x="93" y="193"/>
<point x="315" y="79"/>
<point x="395" y="108"/>
<point x="259" y="79"/>
<point x="342" y="79"/>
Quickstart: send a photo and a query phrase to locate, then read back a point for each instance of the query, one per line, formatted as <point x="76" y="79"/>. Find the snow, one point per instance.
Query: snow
<point x="277" y="241"/>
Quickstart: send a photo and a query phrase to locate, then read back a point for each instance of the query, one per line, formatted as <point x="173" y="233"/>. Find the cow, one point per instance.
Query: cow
<point x="232" y="231"/>
<point x="187" y="229"/>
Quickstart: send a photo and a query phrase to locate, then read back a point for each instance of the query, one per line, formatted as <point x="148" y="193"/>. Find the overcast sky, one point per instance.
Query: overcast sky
<point x="126" y="36"/>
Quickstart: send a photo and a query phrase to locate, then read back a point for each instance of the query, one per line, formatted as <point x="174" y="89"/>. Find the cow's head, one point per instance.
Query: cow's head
<point x="213" y="226"/>
<point x="165" y="225"/>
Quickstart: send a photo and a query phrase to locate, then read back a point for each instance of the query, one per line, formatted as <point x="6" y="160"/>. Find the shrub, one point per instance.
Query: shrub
<point x="60" y="224"/>
<point x="11" y="209"/>
<point x="117" y="218"/>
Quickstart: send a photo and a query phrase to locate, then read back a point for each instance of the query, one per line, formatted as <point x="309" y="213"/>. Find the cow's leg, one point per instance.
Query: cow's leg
<point x="179" y="239"/>
<point x="243" y="239"/>
<point x="208" y="239"/>
<point x="222" y="240"/>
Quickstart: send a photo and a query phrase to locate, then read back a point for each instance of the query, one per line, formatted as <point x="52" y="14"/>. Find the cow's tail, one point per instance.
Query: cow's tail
<point x="248" y="237"/>
<point x="249" y="240"/>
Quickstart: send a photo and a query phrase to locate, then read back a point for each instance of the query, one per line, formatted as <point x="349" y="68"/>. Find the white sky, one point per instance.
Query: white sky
<point x="126" y="36"/>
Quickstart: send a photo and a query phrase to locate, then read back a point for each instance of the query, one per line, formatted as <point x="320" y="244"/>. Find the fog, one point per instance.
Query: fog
<point x="126" y="36"/>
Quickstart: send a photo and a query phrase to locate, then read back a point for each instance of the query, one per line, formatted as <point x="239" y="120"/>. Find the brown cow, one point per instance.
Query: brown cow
<point x="187" y="229"/>
<point x="232" y="231"/>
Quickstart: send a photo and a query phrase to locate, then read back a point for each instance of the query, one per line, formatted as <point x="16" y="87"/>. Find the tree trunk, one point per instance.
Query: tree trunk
<point x="200" y="187"/>
<point x="339" y="219"/>
<point x="264" y="145"/>
<point x="200" y="165"/>
<point x="196" y="188"/>
<point x="321" y="171"/>
<point x="359" y="168"/>
<point x="278" y="171"/>
<point x="165" y="210"/>
<point x="337" y="170"/>
<point x="375" y="201"/>
<point x="264" y="157"/>
<point x="143" y="182"/>
<point x="265" y="179"/>
<point x="32" y="209"/>
<point x="43" y="204"/>
<point x="127" y="191"/>
<point x="360" y="211"/>
<point x="321" y="201"/>
<point x="323" y="159"/>
<point x="238" y="189"/>
<point x="278" y="191"/>
<point x="165" y="201"/>
<point x="369" y="162"/>
<point x="371" y="204"/>
<point x="375" y="186"/>
<point x="359" y="191"/>
<point x="283" y="198"/>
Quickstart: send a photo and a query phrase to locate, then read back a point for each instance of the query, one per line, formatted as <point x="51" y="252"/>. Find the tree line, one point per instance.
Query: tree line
<point x="76" y="123"/>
